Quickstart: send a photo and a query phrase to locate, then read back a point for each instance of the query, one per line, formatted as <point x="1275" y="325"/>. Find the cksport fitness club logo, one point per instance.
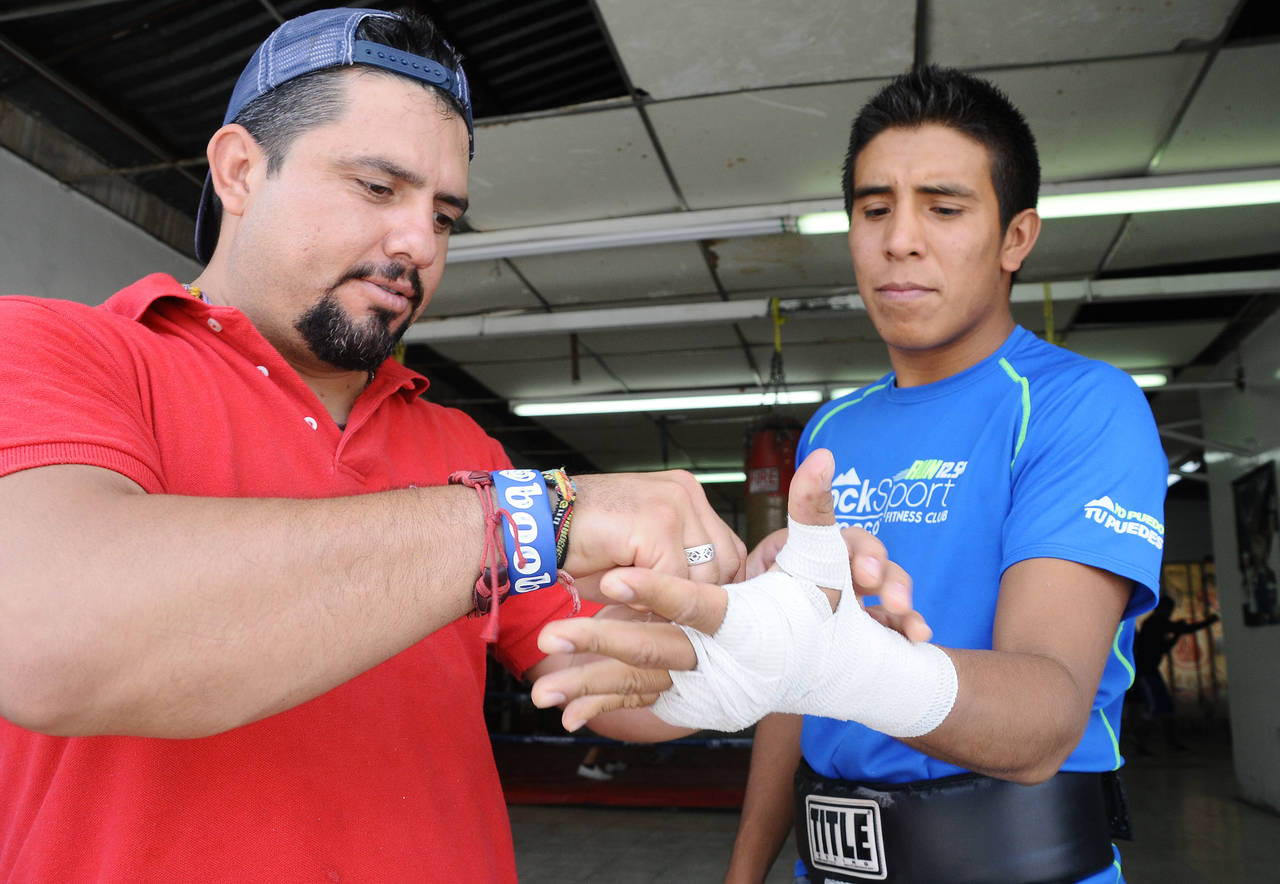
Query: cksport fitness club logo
<point x="918" y="494"/>
<point x="1109" y="514"/>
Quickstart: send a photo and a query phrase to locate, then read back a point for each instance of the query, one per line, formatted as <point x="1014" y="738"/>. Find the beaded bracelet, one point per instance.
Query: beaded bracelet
<point x="562" y="512"/>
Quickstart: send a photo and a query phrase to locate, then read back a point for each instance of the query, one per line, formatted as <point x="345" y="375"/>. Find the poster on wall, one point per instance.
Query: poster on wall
<point x="1256" y="529"/>
<point x="1194" y="667"/>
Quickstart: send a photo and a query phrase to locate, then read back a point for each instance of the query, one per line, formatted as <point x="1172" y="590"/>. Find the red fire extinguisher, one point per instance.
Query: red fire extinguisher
<point x="770" y="463"/>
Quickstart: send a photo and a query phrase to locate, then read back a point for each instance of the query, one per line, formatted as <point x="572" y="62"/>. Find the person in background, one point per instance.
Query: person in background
<point x="592" y="768"/>
<point x="1156" y="637"/>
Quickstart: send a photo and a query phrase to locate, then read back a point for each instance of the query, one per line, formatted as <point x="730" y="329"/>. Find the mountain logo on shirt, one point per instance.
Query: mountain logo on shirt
<point x="917" y="494"/>
<point x="848" y="477"/>
<point x="1111" y="515"/>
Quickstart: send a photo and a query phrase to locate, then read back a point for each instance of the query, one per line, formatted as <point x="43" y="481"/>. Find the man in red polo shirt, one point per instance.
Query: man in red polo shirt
<point x="233" y="580"/>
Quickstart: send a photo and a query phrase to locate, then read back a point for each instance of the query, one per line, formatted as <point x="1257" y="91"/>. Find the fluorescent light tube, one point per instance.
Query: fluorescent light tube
<point x="663" y="402"/>
<point x="823" y="222"/>
<point x="472" y="246"/>
<point x="719" y="478"/>
<point x="1159" y="199"/>
<point x="1135" y="199"/>
<point x="1148" y="379"/>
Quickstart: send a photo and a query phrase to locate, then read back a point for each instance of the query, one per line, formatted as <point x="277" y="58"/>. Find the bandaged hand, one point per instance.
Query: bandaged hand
<point x="780" y="648"/>
<point x="774" y="613"/>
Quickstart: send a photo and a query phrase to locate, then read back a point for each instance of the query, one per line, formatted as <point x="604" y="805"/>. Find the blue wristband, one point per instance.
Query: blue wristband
<point x="523" y="494"/>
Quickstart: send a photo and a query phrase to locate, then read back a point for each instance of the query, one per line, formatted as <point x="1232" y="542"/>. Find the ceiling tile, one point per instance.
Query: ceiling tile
<point x="611" y="275"/>
<point x="480" y="287"/>
<point x="782" y="261"/>
<point x="1234" y="119"/>
<point x="851" y="326"/>
<point x="571" y="167"/>
<point x="1032" y="316"/>
<point x="996" y="32"/>
<point x="729" y="45"/>
<point x="833" y="361"/>
<point x="682" y="369"/>
<point x="672" y="357"/>
<point x="548" y="375"/>
<point x="1157" y="238"/>
<point x="525" y="367"/>
<point x="1103" y="118"/>
<point x="703" y="337"/>
<point x="1155" y="346"/>
<point x="499" y="348"/>
<point x="1070" y="248"/>
<point x="771" y="146"/>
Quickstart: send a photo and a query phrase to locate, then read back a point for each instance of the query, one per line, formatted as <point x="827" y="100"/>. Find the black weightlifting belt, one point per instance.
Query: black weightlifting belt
<point x="966" y="828"/>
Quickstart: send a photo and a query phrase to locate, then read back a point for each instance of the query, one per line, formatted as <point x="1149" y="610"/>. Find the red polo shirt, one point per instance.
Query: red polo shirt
<point x="387" y="777"/>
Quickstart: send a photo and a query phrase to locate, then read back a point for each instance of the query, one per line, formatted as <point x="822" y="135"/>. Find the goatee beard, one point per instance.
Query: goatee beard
<point x="355" y="345"/>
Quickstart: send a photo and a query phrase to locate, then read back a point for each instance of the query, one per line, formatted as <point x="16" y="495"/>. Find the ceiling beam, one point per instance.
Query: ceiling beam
<point x="764" y="220"/>
<point x="100" y="110"/>
<point x="56" y="154"/>
<point x="634" y="230"/>
<point x="40" y="9"/>
<point x="507" y="324"/>
<point x="1208" y="444"/>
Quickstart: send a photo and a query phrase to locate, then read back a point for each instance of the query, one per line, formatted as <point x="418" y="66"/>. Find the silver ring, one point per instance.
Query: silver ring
<point x="699" y="555"/>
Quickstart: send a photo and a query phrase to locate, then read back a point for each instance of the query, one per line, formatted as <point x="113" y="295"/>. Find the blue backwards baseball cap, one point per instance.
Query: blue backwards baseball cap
<point x="313" y="42"/>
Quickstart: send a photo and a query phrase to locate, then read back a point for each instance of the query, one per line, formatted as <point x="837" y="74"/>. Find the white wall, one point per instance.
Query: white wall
<point x="1250" y="419"/>
<point x="56" y="243"/>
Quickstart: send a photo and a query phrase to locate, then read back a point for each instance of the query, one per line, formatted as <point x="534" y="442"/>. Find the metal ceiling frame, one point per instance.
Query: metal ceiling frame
<point x="759" y="220"/>
<point x="505" y="323"/>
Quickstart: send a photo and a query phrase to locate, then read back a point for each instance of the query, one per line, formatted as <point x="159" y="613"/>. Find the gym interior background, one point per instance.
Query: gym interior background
<point x="643" y="174"/>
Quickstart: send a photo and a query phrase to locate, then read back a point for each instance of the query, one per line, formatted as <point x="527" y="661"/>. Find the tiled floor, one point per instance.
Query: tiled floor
<point x="1188" y="823"/>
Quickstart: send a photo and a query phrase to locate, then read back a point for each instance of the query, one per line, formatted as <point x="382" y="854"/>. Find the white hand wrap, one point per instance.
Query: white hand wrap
<point x="780" y="649"/>
<point x="816" y="554"/>
<point x="772" y="621"/>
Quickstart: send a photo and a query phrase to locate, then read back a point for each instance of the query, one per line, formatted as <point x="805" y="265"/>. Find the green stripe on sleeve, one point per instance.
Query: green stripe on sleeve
<point x="1115" y="649"/>
<point x="842" y="406"/>
<point x="1026" y="406"/>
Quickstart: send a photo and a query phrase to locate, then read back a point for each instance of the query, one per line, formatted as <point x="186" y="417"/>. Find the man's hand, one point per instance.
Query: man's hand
<point x="108" y="625"/>
<point x="648" y="520"/>
<point x="642" y="652"/>
<point x="873" y="573"/>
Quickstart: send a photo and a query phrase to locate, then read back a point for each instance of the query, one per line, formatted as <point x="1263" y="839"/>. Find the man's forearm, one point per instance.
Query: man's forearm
<point x="767" y="809"/>
<point x="122" y="612"/>
<point x="1016" y="716"/>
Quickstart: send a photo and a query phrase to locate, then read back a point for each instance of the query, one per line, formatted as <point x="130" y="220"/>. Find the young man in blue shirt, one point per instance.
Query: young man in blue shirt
<point x="1019" y="485"/>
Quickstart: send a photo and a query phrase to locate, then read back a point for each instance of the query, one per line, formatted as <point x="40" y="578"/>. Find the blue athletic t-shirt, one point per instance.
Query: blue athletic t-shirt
<point x="1033" y="452"/>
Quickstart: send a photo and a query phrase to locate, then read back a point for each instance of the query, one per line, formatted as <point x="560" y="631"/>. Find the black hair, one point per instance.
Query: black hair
<point x="277" y="117"/>
<point x="970" y="105"/>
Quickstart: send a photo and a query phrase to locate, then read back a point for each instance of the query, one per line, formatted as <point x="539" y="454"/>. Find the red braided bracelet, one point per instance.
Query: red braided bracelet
<point x="488" y="595"/>
<point x="492" y="585"/>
